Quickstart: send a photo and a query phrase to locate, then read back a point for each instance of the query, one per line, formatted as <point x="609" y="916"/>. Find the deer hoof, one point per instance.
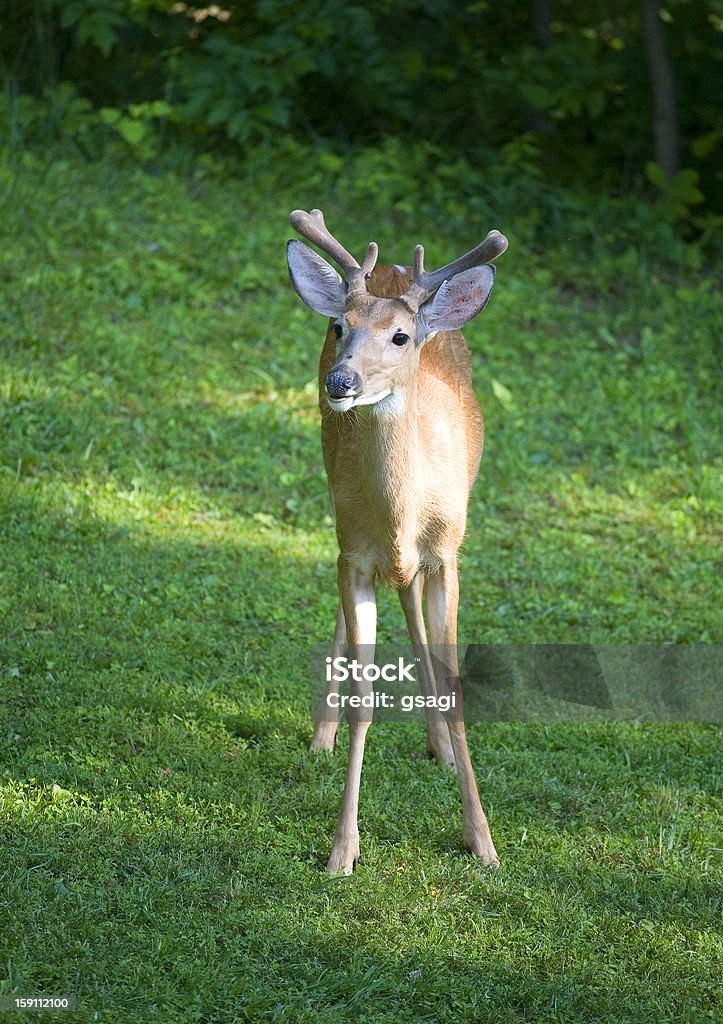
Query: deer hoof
<point x="443" y="754"/>
<point x="439" y="746"/>
<point x="324" y="737"/>
<point x="344" y="856"/>
<point x="480" y="845"/>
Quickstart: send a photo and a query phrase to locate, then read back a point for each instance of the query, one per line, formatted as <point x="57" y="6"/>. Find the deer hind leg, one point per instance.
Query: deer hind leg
<point x="439" y="744"/>
<point x="442" y="601"/>
<point x="327" y="715"/>
<point x="360" y="613"/>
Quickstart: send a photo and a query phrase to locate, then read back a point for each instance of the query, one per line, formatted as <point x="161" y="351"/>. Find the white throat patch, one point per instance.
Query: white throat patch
<point x="393" y="404"/>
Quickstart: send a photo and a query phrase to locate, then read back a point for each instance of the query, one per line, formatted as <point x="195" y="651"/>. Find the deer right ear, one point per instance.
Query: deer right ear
<point x="315" y="281"/>
<point x="458" y="300"/>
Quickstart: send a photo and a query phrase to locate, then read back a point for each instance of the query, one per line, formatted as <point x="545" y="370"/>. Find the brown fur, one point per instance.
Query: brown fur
<point x="400" y="485"/>
<point x="400" y="468"/>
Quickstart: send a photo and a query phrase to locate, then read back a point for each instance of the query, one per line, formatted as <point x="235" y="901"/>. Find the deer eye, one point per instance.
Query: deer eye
<point x="400" y="339"/>
<point x="337" y="331"/>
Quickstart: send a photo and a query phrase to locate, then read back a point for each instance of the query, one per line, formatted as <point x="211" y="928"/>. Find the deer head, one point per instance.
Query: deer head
<point x="379" y="339"/>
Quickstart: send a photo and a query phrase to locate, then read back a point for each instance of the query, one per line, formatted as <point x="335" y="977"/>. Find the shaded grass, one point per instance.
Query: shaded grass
<point x="168" y="562"/>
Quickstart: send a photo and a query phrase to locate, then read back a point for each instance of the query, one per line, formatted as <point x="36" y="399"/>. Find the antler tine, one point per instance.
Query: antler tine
<point x="369" y="263"/>
<point x="312" y="226"/>
<point x="425" y="282"/>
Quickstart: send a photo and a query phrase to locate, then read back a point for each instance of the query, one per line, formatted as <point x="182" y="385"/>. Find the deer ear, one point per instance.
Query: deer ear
<point x="315" y="280"/>
<point x="458" y="300"/>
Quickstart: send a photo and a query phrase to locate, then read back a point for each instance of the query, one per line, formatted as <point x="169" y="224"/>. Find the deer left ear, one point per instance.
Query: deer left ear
<point x="457" y="301"/>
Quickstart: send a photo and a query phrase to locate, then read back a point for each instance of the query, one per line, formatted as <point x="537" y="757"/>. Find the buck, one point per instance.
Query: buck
<point x="402" y="436"/>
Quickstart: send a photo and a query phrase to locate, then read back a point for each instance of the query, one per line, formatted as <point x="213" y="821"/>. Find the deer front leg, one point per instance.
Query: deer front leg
<point x="360" y="613"/>
<point x="442" y="601"/>
<point x="327" y="715"/>
<point x="438" y="741"/>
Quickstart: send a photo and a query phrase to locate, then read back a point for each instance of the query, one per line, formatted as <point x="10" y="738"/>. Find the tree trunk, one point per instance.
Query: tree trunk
<point x="540" y="18"/>
<point x="665" y="115"/>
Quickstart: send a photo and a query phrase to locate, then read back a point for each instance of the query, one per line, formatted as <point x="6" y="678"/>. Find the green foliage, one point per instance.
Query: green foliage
<point x="569" y="79"/>
<point x="137" y="126"/>
<point x="62" y="114"/>
<point x="99" y="23"/>
<point x="470" y="78"/>
<point x="678" y="195"/>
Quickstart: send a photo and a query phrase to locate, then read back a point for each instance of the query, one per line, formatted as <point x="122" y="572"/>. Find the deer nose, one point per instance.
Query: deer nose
<point x="342" y="383"/>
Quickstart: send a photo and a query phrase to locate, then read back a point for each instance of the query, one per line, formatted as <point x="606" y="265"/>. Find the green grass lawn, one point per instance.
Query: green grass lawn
<point x="168" y="562"/>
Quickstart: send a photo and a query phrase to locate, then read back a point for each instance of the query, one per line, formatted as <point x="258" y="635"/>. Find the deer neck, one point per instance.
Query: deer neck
<point x="391" y="457"/>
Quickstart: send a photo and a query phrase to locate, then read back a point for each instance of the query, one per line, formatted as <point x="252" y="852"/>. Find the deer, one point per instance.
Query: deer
<point x="402" y="435"/>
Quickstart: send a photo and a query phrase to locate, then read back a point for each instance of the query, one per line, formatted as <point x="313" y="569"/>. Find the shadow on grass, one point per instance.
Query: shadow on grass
<point x="107" y="633"/>
<point x="156" y="683"/>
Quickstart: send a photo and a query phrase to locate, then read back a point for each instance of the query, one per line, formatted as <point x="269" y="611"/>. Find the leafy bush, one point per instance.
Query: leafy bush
<point x="470" y="78"/>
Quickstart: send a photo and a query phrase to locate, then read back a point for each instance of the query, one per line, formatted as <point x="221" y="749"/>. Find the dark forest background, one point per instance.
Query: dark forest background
<point x="530" y="97"/>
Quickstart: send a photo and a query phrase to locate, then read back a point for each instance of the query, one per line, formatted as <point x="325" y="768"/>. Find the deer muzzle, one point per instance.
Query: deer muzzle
<point x="342" y="386"/>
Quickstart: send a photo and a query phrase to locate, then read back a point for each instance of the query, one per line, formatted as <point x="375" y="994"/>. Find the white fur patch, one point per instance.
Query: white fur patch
<point x="372" y="399"/>
<point x="392" y="404"/>
<point x="366" y="614"/>
<point x="342" y="405"/>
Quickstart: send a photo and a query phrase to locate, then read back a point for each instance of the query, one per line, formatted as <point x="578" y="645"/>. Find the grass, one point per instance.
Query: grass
<point x="168" y="564"/>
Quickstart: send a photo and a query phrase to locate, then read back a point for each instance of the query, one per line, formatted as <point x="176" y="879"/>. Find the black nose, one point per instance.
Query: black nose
<point x="342" y="383"/>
